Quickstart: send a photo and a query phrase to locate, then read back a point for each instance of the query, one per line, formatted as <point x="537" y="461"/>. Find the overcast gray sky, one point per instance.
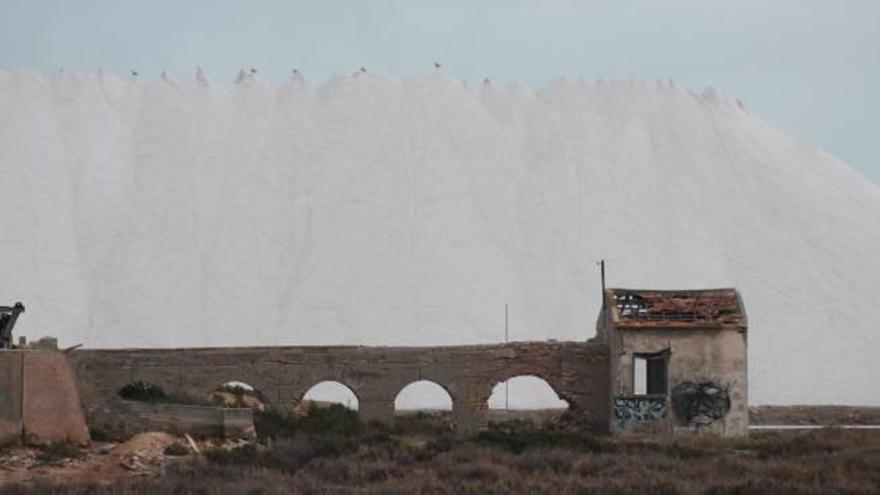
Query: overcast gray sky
<point x="810" y="67"/>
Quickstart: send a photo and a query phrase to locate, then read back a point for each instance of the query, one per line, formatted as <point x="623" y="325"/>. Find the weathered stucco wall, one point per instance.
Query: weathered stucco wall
<point x="52" y="410"/>
<point x="712" y="356"/>
<point x="701" y="336"/>
<point x="577" y="371"/>
<point x="38" y="399"/>
<point x="11" y="366"/>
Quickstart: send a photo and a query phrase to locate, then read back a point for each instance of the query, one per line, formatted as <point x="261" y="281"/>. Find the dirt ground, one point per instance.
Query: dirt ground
<point x="544" y="459"/>
<point x="503" y="461"/>
<point x="143" y="455"/>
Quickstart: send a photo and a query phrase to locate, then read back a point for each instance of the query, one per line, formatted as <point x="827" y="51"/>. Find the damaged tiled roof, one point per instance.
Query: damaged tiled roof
<point x="688" y="309"/>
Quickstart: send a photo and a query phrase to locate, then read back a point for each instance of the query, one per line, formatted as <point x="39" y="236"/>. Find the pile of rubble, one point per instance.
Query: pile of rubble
<point x="144" y="453"/>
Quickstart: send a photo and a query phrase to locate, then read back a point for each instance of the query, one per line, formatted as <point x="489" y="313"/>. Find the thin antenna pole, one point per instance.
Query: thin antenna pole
<point x="506" y="334"/>
<point x="604" y="309"/>
<point x="506" y="383"/>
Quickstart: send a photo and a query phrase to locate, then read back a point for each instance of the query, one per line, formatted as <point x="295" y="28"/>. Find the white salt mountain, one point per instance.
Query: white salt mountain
<point x="368" y="210"/>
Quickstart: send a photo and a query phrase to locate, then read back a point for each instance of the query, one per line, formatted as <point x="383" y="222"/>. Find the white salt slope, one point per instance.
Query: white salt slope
<point x="376" y="211"/>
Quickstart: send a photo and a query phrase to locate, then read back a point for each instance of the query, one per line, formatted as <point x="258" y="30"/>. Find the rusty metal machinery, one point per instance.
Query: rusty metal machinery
<point x="8" y="317"/>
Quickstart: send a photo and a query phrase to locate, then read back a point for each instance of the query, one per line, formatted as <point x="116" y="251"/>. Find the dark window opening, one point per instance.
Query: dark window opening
<point x="649" y="373"/>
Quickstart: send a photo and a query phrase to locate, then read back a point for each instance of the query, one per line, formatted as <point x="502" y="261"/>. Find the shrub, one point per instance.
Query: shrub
<point x="422" y="423"/>
<point x="336" y="420"/>
<point x="775" y="444"/>
<point x="98" y="434"/>
<point x="272" y="424"/>
<point x="55" y="452"/>
<point x="517" y="436"/>
<point x="152" y="393"/>
<point x="242" y="456"/>
<point x="374" y="461"/>
<point x="286" y="455"/>
<point x="322" y="432"/>
<point x="333" y="420"/>
<point x="143" y="391"/>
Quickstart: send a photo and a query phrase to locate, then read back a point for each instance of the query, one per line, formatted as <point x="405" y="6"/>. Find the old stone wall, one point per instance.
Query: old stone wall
<point x="577" y="371"/>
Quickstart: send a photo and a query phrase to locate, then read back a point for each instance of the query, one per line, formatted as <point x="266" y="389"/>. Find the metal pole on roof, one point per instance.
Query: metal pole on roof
<point x="506" y="334"/>
<point x="604" y="309"/>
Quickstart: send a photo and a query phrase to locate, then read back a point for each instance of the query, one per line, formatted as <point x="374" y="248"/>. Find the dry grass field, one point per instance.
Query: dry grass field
<point x="328" y="451"/>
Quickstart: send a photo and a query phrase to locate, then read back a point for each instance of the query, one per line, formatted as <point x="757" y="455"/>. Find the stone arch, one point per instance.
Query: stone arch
<point x="238" y="384"/>
<point x="415" y="397"/>
<point x="333" y="391"/>
<point x="237" y="393"/>
<point x="525" y="392"/>
<point x="261" y="384"/>
<point x="142" y="390"/>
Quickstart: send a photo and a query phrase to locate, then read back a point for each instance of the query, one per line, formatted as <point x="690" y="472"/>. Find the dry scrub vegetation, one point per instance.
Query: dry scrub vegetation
<point x="328" y="451"/>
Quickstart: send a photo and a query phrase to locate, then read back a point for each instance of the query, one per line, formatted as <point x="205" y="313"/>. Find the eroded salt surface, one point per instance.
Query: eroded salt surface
<point x="370" y="210"/>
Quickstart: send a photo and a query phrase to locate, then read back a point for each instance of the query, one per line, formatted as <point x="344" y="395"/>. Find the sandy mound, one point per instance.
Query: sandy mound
<point x="150" y="444"/>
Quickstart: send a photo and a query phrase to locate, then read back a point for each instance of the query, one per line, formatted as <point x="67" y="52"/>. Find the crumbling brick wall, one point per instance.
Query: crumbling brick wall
<point x="577" y="371"/>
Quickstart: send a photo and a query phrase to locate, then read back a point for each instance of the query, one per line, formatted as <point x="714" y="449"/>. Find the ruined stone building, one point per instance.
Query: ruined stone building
<point x="678" y="360"/>
<point x="661" y="361"/>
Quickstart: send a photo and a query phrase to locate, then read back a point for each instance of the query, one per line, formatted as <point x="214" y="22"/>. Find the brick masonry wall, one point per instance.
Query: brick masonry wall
<point x="577" y="371"/>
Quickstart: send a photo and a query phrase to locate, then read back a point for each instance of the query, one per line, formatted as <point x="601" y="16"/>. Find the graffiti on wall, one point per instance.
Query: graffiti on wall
<point x="701" y="403"/>
<point x="630" y="411"/>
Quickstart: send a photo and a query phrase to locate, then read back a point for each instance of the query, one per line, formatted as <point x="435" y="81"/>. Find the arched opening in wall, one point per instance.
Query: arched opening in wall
<point x="237" y="394"/>
<point x="327" y="393"/>
<point x="422" y="396"/>
<point x="525" y="397"/>
<point x="143" y="392"/>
